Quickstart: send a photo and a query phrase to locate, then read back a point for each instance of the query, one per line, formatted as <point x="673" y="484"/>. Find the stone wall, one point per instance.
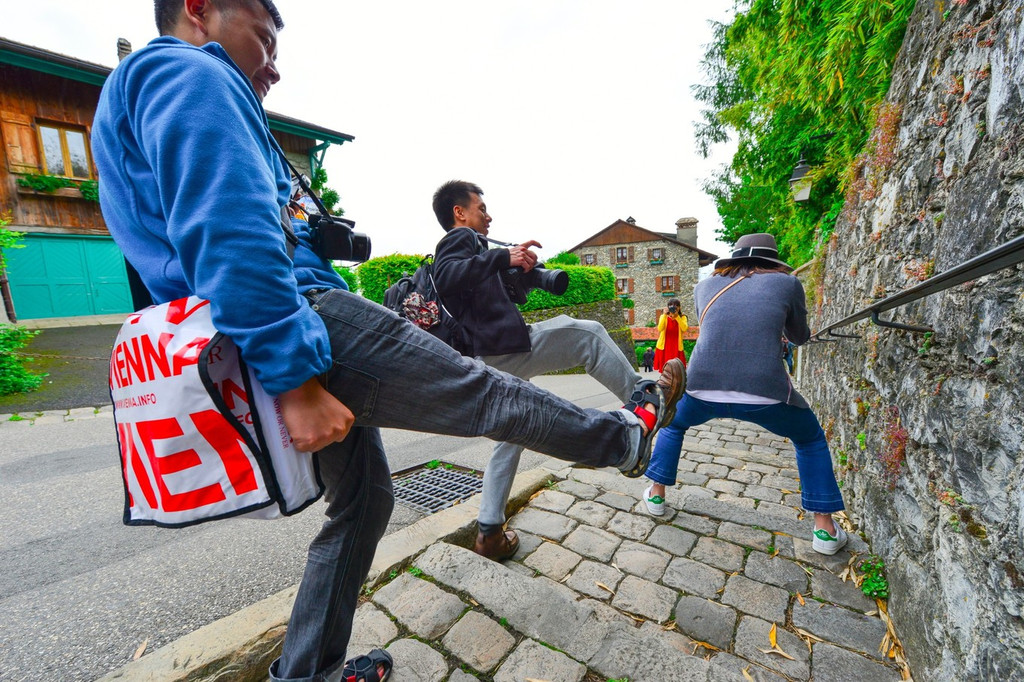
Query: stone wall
<point x="608" y="313"/>
<point x="927" y="431"/>
<point x="679" y="261"/>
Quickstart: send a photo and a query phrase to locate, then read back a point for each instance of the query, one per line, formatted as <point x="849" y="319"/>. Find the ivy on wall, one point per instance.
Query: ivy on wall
<point x="791" y="80"/>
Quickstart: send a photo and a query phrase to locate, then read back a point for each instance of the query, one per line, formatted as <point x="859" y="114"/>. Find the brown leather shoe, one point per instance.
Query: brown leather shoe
<point x="497" y="546"/>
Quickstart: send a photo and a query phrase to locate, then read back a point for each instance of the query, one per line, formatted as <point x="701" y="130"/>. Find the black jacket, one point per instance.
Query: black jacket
<point x="468" y="278"/>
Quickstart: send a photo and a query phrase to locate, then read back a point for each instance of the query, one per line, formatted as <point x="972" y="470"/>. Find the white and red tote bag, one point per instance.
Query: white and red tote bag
<point x="199" y="437"/>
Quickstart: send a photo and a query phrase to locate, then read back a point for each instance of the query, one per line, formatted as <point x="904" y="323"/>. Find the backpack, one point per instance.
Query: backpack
<point x="415" y="298"/>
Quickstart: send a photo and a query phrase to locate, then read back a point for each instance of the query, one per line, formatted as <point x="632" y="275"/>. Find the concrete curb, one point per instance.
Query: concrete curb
<point x="241" y="646"/>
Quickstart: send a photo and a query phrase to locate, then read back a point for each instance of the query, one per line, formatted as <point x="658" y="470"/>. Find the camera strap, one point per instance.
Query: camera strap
<point x="305" y="186"/>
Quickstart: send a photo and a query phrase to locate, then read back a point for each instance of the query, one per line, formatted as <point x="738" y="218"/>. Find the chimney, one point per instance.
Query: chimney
<point x="124" y="48"/>
<point x="686" y="231"/>
<point x="631" y="220"/>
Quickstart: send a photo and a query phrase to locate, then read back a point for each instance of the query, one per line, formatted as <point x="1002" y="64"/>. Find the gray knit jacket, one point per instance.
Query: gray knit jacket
<point x="740" y="343"/>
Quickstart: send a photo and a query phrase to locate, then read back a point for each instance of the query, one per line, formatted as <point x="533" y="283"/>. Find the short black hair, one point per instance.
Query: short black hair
<point x="168" y="11"/>
<point x="449" y="195"/>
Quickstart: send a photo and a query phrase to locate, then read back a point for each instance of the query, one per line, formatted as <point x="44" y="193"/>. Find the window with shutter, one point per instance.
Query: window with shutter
<point x="19" y="142"/>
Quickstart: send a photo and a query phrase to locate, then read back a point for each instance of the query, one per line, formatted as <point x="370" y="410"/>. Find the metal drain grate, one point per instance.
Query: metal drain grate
<point x="431" y="490"/>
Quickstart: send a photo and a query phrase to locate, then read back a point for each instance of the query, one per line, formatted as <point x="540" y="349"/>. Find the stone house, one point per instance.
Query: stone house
<point x="70" y="266"/>
<point x="650" y="267"/>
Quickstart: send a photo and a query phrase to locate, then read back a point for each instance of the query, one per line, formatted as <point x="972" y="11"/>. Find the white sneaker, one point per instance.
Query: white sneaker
<point x="825" y="543"/>
<point x="655" y="503"/>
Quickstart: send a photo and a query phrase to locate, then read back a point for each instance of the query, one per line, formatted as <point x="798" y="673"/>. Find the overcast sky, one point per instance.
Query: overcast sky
<point x="569" y="114"/>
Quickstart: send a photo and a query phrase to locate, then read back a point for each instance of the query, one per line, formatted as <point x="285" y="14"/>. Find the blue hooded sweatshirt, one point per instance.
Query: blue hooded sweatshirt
<point x="191" y="186"/>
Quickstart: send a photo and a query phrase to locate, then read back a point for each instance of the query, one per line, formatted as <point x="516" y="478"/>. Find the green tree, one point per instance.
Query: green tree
<point x="793" y="80"/>
<point x="328" y="196"/>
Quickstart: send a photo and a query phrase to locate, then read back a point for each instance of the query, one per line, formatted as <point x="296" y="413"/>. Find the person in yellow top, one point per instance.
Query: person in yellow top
<point x="671" y="326"/>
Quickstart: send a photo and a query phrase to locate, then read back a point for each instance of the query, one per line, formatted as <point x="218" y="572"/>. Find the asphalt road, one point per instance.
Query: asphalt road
<point x="75" y="362"/>
<point x="80" y="592"/>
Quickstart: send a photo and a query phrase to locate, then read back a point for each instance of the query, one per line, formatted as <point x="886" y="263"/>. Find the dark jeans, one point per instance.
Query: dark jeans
<point x="819" y="490"/>
<point x="391" y="374"/>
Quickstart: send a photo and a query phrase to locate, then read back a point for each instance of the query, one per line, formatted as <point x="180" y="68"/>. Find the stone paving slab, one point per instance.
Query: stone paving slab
<point x="600" y="590"/>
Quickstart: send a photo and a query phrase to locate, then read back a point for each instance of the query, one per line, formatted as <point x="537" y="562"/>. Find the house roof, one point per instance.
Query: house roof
<point x="621" y="232"/>
<point x="38" y="59"/>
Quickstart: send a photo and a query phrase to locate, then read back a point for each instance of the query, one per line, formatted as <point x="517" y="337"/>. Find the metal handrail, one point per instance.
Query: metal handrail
<point x="1009" y="254"/>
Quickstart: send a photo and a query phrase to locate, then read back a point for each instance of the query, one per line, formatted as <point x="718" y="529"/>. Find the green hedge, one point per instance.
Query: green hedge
<point x="377" y="274"/>
<point x="587" y="284"/>
<point x="349" y="275"/>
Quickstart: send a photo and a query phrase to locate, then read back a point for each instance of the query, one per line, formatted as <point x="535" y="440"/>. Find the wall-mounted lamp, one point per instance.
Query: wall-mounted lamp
<point x="799" y="183"/>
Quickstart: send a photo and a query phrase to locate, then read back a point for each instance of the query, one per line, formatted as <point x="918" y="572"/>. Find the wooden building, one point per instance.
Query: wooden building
<point x="69" y="265"/>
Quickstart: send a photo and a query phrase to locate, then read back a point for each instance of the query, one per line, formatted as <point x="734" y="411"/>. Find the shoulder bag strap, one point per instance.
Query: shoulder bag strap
<point x="715" y="298"/>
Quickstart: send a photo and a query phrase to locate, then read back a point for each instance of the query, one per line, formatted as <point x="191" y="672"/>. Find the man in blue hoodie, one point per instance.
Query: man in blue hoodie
<point x="192" y="187"/>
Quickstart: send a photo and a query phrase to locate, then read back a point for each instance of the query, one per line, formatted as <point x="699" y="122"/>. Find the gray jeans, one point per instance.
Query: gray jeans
<point x="391" y="374"/>
<point x="557" y="344"/>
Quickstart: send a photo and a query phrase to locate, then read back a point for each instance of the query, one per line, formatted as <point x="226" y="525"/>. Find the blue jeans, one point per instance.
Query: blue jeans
<point x="819" y="490"/>
<point x="556" y="344"/>
<point x="391" y="374"/>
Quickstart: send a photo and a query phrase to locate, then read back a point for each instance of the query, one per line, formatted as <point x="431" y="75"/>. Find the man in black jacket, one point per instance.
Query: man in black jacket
<point x="468" y="278"/>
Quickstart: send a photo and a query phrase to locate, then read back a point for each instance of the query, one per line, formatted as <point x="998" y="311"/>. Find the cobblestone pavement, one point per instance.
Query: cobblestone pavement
<point x="600" y="590"/>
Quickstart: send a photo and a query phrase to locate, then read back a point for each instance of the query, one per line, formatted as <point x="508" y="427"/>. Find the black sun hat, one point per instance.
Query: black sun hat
<point x="753" y="247"/>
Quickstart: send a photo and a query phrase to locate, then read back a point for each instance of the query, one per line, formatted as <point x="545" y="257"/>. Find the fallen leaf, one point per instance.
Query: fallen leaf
<point x="871" y="613"/>
<point x="787" y="492"/>
<point x="800" y="598"/>
<point x="773" y="637"/>
<point x="706" y="645"/>
<point x="534" y="679"/>
<point x="474" y="602"/>
<point x="774" y="554"/>
<point x="746" y="675"/>
<point x="800" y="516"/>
<point x="604" y="587"/>
<point x="807" y="635"/>
<point x="778" y="652"/>
<point x="141" y="650"/>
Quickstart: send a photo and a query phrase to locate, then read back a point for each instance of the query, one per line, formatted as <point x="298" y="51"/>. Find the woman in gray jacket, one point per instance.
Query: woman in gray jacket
<point x="736" y="371"/>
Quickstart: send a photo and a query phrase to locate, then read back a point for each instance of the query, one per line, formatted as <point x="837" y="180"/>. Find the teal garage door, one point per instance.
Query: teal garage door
<point x="66" y="276"/>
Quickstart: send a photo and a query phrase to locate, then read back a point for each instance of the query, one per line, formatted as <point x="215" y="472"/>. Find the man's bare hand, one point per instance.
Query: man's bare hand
<point x="314" y="418"/>
<point x="521" y="256"/>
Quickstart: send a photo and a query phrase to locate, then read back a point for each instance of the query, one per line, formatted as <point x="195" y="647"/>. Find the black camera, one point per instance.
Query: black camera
<point x="519" y="284"/>
<point x="335" y="238"/>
